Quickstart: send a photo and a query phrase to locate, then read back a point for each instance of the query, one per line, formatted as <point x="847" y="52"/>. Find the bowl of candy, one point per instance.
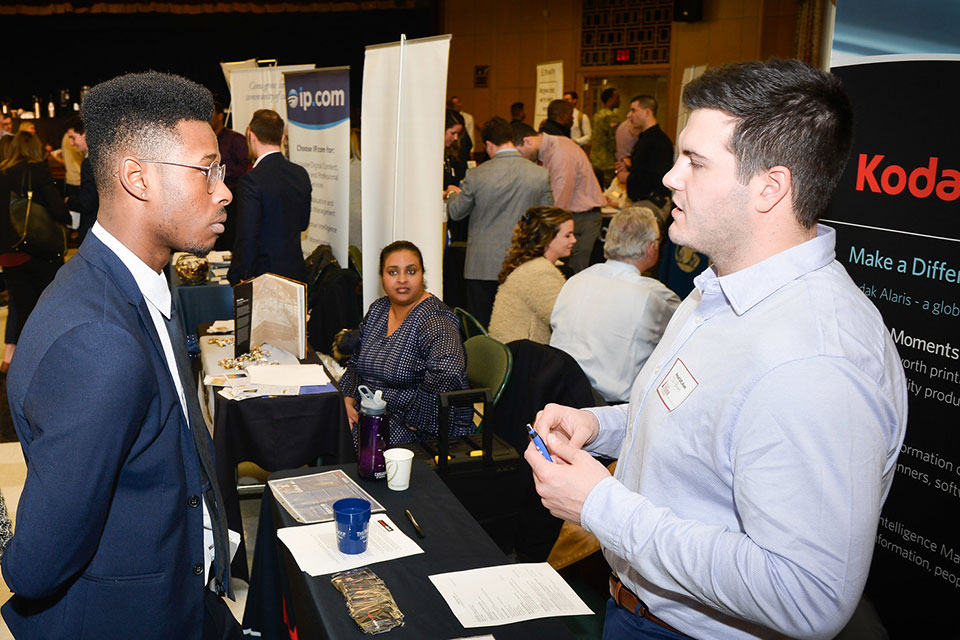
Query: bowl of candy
<point x="192" y="269"/>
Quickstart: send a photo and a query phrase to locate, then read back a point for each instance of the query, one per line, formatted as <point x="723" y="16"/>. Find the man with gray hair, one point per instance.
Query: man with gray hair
<point x="610" y="316"/>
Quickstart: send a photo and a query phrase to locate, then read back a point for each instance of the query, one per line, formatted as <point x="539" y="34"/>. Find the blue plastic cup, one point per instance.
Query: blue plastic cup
<point x="353" y="524"/>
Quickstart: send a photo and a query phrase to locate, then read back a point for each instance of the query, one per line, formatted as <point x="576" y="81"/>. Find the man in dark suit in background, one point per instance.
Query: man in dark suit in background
<point x="273" y="207"/>
<point x="85" y="201"/>
<point x="120" y="527"/>
<point x="235" y="155"/>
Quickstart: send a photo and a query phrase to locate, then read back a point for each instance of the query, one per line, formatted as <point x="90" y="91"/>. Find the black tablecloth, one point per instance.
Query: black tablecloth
<point x="276" y="433"/>
<point x="454" y="541"/>
<point x="200" y="303"/>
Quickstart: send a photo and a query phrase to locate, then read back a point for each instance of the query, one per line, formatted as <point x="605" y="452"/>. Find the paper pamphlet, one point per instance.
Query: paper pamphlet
<point x="271" y="308"/>
<point x="510" y="593"/>
<point x="310" y="498"/>
<point x="288" y="375"/>
<point x="314" y="546"/>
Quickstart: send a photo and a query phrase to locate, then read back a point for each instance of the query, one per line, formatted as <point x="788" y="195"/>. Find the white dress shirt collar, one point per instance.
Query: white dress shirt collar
<point x="747" y="287"/>
<point x="259" y="158"/>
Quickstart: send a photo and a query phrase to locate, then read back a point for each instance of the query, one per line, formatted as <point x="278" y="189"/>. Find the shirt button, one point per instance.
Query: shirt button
<point x="198" y="569"/>
<point x="656" y="371"/>
<point x="193" y="501"/>
<point x="699" y="319"/>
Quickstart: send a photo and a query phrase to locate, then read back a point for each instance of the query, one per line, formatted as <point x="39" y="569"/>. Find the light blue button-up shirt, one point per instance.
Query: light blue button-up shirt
<point x="749" y="510"/>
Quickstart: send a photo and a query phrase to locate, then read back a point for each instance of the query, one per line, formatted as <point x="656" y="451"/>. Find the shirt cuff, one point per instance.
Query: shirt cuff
<point x="611" y="512"/>
<point x="613" y="426"/>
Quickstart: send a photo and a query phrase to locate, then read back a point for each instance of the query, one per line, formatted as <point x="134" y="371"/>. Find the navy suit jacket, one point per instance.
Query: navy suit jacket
<point x="273" y="208"/>
<point x="109" y="533"/>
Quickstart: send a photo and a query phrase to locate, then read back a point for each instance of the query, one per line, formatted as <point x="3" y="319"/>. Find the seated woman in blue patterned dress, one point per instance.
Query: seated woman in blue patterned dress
<point x="410" y="349"/>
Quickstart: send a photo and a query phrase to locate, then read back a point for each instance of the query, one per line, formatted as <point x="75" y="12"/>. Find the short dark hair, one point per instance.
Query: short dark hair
<point x="217" y="106"/>
<point x="516" y="109"/>
<point x="522" y="130"/>
<point x="607" y="94"/>
<point x="268" y="126"/>
<point x="496" y="131"/>
<point x="787" y="113"/>
<point x="558" y="108"/>
<point x="400" y="245"/>
<point x="572" y="94"/>
<point x="646" y="102"/>
<point x="75" y="123"/>
<point x="138" y="113"/>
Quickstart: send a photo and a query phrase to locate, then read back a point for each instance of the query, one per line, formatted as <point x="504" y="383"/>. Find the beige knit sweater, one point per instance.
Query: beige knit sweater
<point x="525" y="301"/>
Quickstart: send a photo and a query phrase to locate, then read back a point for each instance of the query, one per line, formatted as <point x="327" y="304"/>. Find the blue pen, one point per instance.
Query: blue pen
<point x="538" y="442"/>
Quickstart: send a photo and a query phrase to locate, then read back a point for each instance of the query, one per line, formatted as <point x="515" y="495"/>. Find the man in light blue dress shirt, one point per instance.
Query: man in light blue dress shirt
<point x="761" y="436"/>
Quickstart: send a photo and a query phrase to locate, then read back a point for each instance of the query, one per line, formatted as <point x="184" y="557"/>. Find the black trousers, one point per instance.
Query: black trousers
<point x="218" y="622"/>
<point x="480" y="297"/>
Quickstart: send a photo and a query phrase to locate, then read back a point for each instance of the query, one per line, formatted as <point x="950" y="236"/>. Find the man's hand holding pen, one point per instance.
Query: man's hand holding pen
<point x="564" y="484"/>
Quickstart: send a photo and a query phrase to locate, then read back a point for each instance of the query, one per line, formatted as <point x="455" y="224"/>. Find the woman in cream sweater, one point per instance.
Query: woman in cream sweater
<point x="529" y="281"/>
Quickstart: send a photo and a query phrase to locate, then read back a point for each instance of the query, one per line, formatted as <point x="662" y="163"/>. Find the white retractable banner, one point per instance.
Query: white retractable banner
<point x="404" y="88"/>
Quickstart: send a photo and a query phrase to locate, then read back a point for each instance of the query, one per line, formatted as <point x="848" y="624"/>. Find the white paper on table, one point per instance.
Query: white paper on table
<point x="510" y="593"/>
<point x="222" y="326"/>
<point x="288" y="375"/>
<point x="244" y="390"/>
<point x="314" y="546"/>
<point x="219" y="257"/>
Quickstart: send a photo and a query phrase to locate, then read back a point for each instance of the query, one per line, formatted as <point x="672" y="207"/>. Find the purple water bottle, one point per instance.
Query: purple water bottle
<point x="373" y="434"/>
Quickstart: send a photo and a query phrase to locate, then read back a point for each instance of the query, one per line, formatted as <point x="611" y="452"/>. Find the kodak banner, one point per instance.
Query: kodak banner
<point x="898" y="234"/>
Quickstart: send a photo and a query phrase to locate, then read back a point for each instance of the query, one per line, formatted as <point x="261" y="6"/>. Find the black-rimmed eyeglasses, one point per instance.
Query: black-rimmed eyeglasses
<point x="214" y="172"/>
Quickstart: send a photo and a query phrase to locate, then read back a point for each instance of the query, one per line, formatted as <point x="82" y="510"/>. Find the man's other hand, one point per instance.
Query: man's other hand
<point x="576" y="426"/>
<point x="564" y="484"/>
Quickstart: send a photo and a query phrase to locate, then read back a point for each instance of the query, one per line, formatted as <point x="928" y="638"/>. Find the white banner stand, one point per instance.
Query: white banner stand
<point x="404" y="89"/>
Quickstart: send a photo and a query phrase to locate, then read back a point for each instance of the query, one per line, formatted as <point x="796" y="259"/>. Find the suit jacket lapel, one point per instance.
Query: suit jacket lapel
<point x="100" y="255"/>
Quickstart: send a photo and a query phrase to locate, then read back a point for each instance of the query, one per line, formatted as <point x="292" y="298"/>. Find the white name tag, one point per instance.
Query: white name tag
<point x="676" y="386"/>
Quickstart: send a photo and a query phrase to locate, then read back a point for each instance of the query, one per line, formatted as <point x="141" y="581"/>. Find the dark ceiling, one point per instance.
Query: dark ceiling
<point x="45" y="54"/>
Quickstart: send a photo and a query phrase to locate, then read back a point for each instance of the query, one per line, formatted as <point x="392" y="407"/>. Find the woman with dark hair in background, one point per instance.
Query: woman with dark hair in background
<point x="410" y="349"/>
<point x="454" y="165"/>
<point x="530" y="280"/>
<point x="27" y="275"/>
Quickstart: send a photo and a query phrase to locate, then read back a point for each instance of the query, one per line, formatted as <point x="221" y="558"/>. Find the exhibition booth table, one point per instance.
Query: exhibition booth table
<point x="199" y="303"/>
<point x="283" y="598"/>
<point x="276" y="432"/>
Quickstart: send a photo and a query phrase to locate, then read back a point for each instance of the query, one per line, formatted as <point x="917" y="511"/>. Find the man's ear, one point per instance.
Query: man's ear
<point x="133" y="178"/>
<point x="775" y="184"/>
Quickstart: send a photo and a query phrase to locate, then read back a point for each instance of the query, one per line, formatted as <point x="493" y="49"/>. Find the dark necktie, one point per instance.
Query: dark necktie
<point x="198" y="427"/>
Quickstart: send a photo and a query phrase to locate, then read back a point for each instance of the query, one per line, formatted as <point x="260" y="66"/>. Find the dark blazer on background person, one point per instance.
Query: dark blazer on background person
<point x="45" y="192"/>
<point x="110" y="544"/>
<point x="27" y="276"/>
<point x="87" y="200"/>
<point x="273" y="208"/>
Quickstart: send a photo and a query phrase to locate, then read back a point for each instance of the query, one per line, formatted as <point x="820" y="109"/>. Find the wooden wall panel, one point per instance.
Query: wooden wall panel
<point x="512" y="36"/>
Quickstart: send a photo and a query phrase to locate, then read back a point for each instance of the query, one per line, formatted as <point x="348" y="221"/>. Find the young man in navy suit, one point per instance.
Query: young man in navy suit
<point x="273" y="207"/>
<point x="120" y="528"/>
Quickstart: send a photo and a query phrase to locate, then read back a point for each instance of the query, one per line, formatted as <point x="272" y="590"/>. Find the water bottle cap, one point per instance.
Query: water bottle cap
<point x="372" y="404"/>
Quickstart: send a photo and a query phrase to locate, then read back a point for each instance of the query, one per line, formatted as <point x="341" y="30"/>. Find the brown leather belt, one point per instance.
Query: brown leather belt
<point x="629" y="601"/>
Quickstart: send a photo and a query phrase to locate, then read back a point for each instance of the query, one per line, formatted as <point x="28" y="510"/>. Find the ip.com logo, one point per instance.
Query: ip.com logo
<point x="292" y="99"/>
